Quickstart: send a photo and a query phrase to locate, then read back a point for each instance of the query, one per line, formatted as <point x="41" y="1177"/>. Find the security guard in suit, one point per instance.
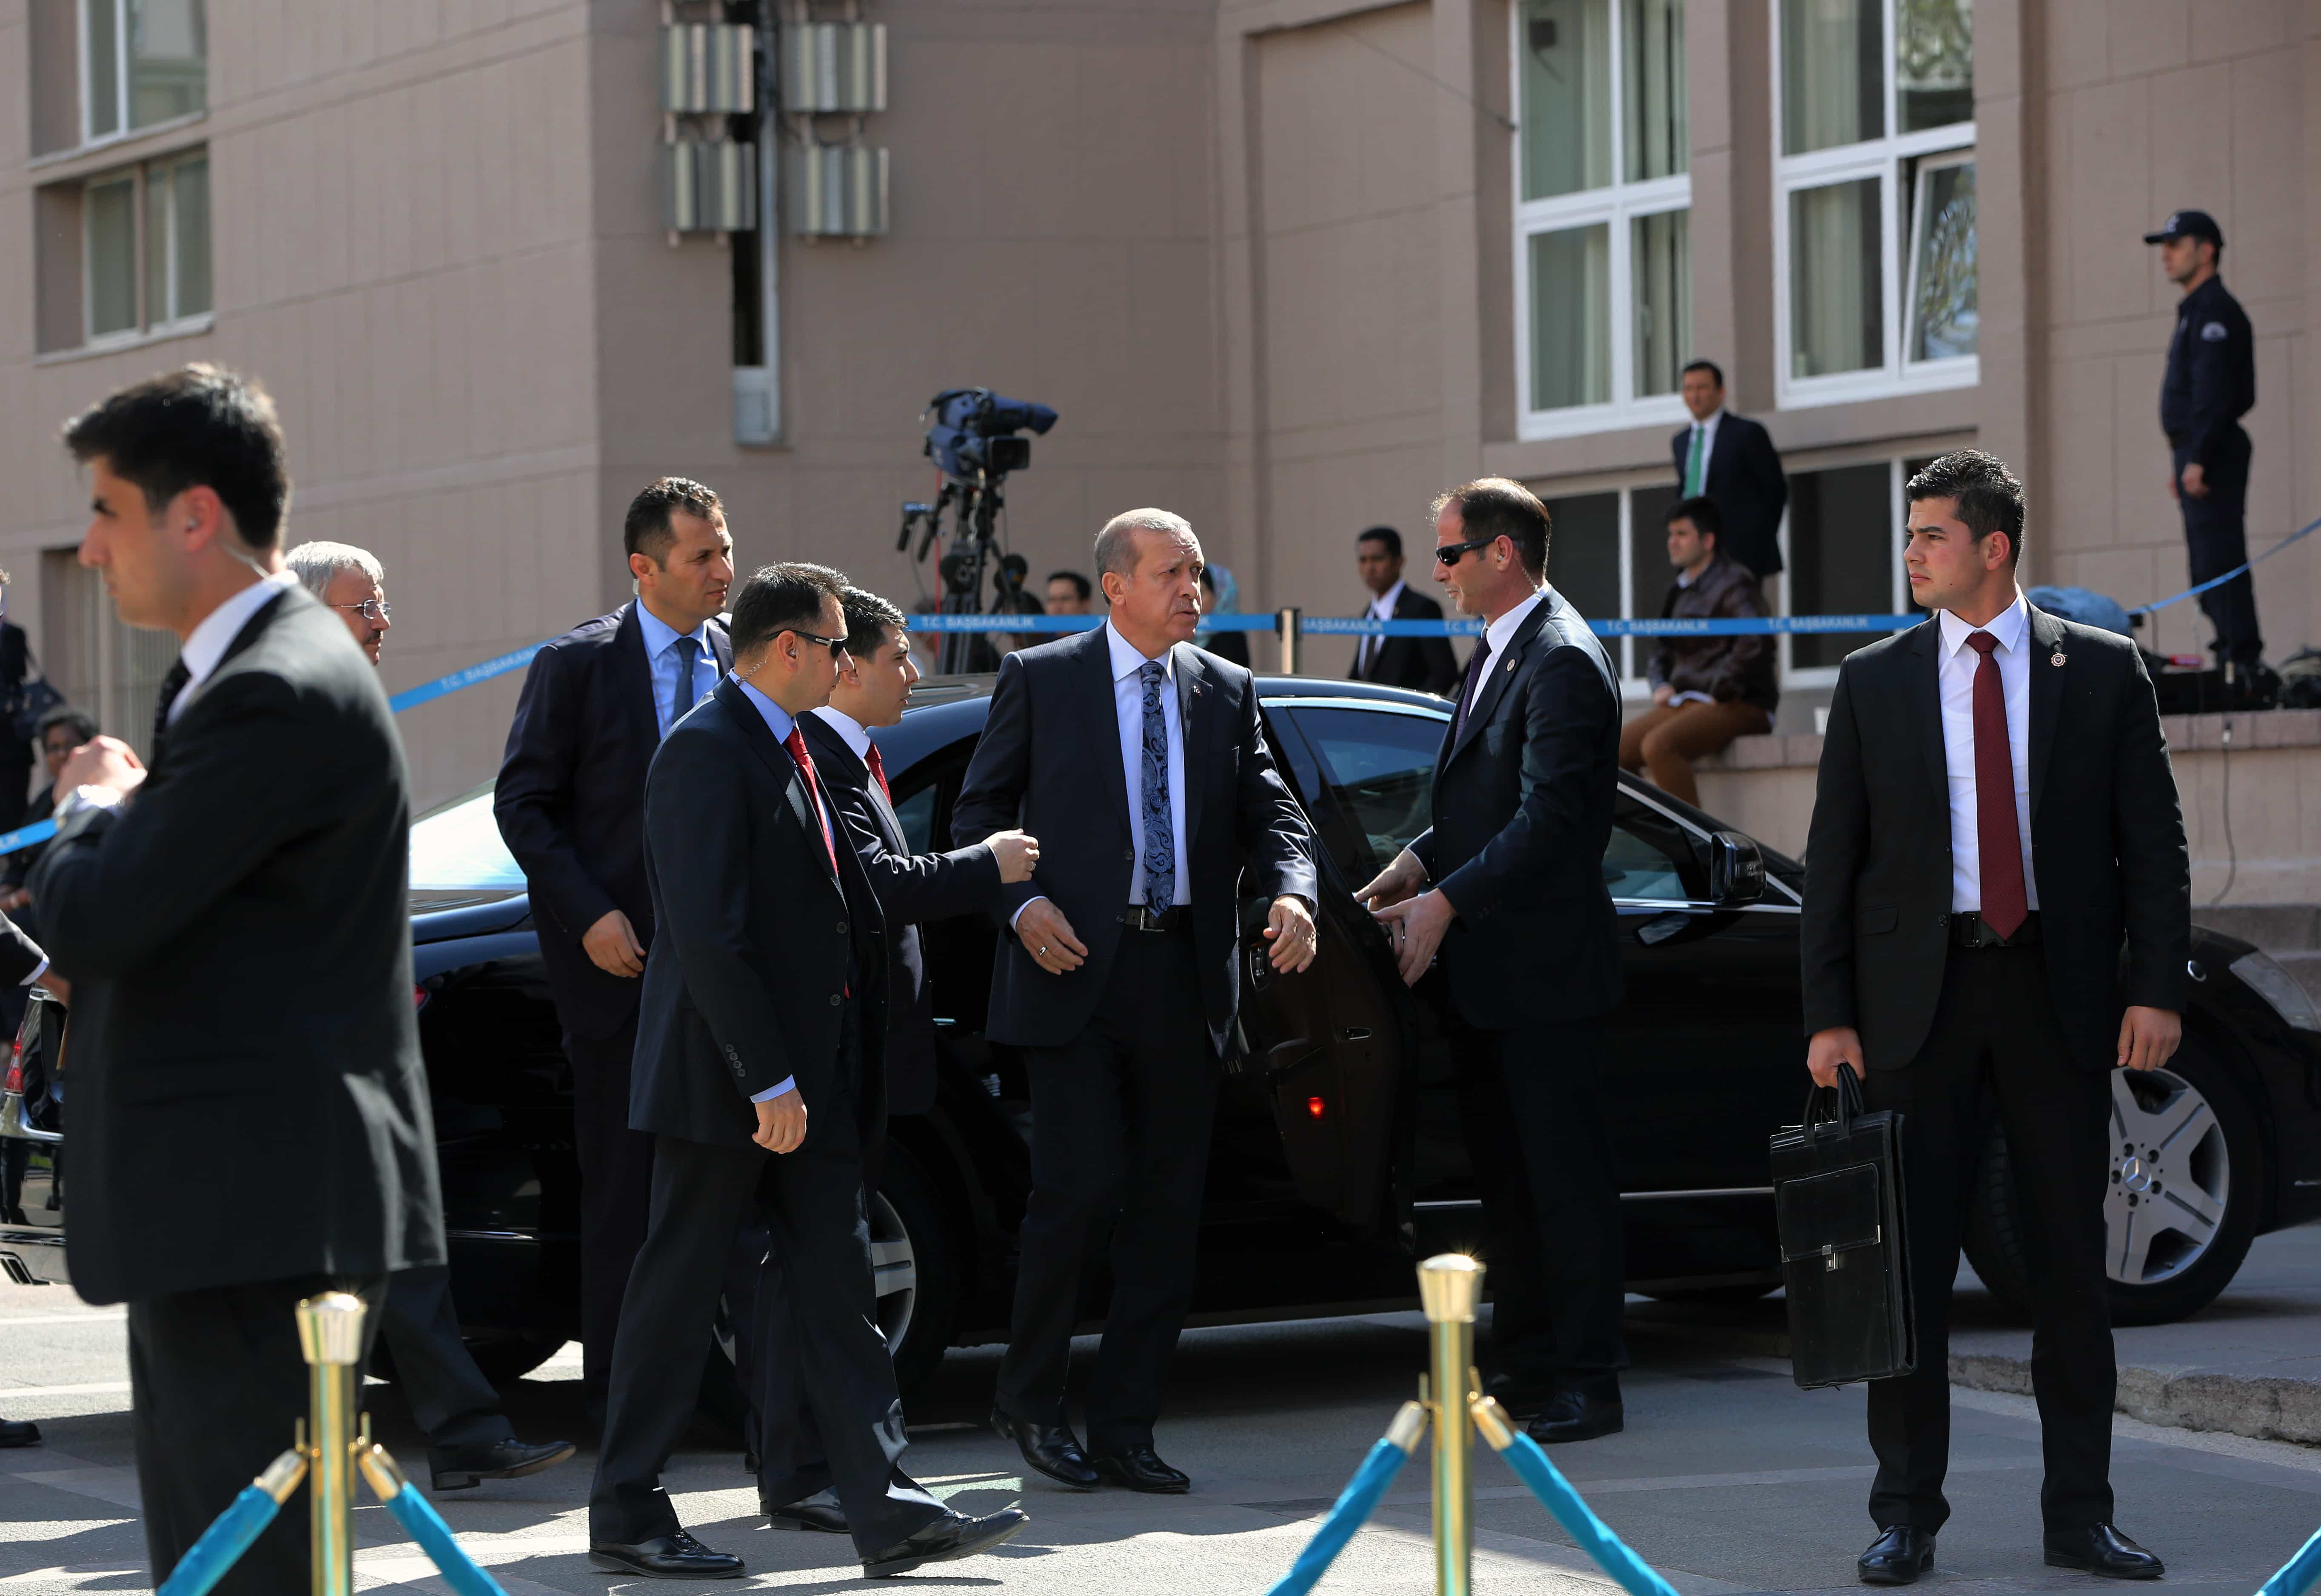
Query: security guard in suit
<point x="2211" y="384"/>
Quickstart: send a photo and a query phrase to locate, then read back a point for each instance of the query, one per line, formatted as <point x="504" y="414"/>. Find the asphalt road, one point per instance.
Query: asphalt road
<point x="1728" y="1479"/>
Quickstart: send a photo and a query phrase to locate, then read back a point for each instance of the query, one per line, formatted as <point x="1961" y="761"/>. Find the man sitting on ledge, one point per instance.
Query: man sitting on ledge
<point x="1705" y="691"/>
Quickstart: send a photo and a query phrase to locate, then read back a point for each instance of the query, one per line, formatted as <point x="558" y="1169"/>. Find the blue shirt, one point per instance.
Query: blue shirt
<point x="660" y="658"/>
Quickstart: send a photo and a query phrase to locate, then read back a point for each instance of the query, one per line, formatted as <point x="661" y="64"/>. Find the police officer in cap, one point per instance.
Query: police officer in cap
<point x="2210" y="385"/>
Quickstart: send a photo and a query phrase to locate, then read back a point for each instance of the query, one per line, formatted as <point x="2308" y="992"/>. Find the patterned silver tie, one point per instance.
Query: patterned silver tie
<point x="1160" y="833"/>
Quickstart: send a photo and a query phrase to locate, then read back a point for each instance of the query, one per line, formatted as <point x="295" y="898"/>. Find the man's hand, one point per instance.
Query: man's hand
<point x="612" y="945"/>
<point x="1840" y="1044"/>
<point x="2196" y="481"/>
<point x="51" y="982"/>
<point x="1415" y="927"/>
<point x="1663" y="693"/>
<point x="2173" y="491"/>
<point x="101" y="761"/>
<point x="2148" y="1038"/>
<point x="781" y="1122"/>
<point x="1395" y="883"/>
<point x="1019" y="855"/>
<point x="1290" y="930"/>
<point x="1048" y="938"/>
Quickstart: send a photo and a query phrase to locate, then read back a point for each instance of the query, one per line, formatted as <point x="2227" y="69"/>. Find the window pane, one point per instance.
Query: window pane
<point x="1655" y="139"/>
<point x="1842" y="543"/>
<point x="1566" y="47"/>
<point x="1583" y="552"/>
<point x="1646" y="857"/>
<point x="1933" y="63"/>
<point x="1837" y="317"/>
<point x="103" y="68"/>
<point x="1832" y="76"/>
<point x="156" y="245"/>
<point x="1943" y="317"/>
<point x="192" y="238"/>
<point x="1380" y="767"/>
<point x="1659" y="260"/>
<point x="112" y="233"/>
<point x="169" y="75"/>
<point x="460" y="846"/>
<point x="1572" y="318"/>
<point x="1649" y="571"/>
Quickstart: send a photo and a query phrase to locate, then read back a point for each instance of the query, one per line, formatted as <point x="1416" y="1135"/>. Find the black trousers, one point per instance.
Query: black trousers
<point x="1542" y="1161"/>
<point x="450" y="1397"/>
<point x="1996" y="1046"/>
<point x="217" y="1388"/>
<point x="2216" y="538"/>
<point x="1121" y="1122"/>
<point x="811" y="1202"/>
<point x="616" y="1193"/>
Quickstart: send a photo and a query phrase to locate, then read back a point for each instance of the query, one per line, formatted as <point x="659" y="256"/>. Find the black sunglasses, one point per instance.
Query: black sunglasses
<point x="1452" y="553"/>
<point x="836" y="645"/>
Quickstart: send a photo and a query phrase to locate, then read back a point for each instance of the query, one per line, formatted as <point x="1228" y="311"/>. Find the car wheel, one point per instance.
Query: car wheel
<point x="915" y="1254"/>
<point x="2181" y="1206"/>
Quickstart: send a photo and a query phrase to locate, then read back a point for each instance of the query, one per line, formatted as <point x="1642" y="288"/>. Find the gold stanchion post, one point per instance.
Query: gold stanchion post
<point x="1449" y="1287"/>
<point x="330" y="1335"/>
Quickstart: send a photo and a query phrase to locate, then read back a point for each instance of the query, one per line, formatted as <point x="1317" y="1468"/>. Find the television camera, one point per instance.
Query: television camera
<point x="975" y="437"/>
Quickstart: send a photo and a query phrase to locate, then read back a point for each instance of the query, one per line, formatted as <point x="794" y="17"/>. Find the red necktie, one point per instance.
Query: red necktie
<point x="1997" y="838"/>
<point x="796" y="743"/>
<point x="879" y="774"/>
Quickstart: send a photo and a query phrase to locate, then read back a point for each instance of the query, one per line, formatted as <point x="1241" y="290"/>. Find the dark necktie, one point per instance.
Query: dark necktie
<point x="1997" y="838"/>
<point x="680" y="699"/>
<point x="1480" y="662"/>
<point x="796" y="743"/>
<point x="1159" y="832"/>
<point x="172" y="684"/>
<point x="879" y="774"/>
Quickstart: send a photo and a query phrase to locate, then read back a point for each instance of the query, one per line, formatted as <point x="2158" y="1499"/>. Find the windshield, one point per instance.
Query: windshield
<point x="457" y="846"/>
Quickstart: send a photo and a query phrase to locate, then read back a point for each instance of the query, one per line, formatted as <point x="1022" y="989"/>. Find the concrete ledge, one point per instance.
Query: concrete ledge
<point x="2261" y="1407"/>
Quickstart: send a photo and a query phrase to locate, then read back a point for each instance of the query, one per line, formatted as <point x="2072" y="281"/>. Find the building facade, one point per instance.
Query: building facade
<point x="1290" y="267"/>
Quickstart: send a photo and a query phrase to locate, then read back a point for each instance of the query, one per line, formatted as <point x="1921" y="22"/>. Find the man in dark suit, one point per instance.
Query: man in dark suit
<point x="1985" y="976"/>
<point x="231" y="916"/>
<point x="15" y="753"/>
<point x="764" y="1004"/>
<point x="1730" y="459"/>
<point x="1529" y="965"/>
<point x="1424" y="663"/>
<point x="1138" y="762"/>
<point x="570" y="805"/>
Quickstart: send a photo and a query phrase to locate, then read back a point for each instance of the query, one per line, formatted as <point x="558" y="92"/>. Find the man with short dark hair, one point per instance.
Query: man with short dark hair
<point x="1424" y="663"/>
<point x="1529" y="963"/>
<point x="231" y="912"/>
<point x="1069" y="593"/>
<point x="1997" y="912"/>
<point x="570" y="805"/>
<point x="1705" y="691"/>
<point x="763" y="1031"/>
<point x="1730" y="459"/>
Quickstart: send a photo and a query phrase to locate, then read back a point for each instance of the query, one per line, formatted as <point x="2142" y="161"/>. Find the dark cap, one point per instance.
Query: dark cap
<point x="2188" y="224"/>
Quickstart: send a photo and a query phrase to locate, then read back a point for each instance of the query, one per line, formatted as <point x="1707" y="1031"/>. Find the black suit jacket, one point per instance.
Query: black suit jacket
<point x="910" y="888"/>
<point x="1746" y="480"/>
<point x="762" y="947"/>
<point x="2108" y="851"/>
<point x="1523" y="811"/>
<point x="243" y="1059"/>
<point x="570" y="803"/>
<point x="1049" y="762"/>
<point x="1424" y="664"/>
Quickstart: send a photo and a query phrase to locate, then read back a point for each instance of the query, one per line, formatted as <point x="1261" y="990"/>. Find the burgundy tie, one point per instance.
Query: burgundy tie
<point x="1997" y="838"/>
<point x="796" y="743"/>
<point x="879" y="774"/>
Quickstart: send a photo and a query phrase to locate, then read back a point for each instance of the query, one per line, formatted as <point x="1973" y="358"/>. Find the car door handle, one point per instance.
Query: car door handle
<point x="1355" y="1034"/>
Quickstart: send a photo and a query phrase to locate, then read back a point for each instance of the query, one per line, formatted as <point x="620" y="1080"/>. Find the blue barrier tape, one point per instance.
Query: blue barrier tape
<point x="2298" y="1575"/>
<point x="2246" y="565"/>
<point x="445" y="686"/>
<point x="1611" y="1554"/>
<point x="1354" y="1506"/>
<point x="24" y="837"/>
<point x="1366" y="626"/>
<point x="424" y="1524"/>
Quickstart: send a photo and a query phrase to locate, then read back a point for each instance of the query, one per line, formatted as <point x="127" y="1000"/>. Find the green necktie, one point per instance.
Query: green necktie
<point x="1693" y="462"/>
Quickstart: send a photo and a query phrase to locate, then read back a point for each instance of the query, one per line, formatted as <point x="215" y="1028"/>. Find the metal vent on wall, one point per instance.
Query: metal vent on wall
<point x="838" y="192"/>
<point x="709" y="186"/>
<point x="708" y="68"/>
<point x="834" y="68"/>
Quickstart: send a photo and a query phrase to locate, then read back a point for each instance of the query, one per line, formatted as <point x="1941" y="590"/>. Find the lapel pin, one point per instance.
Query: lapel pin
<point x="1511" y="667"/>
<point x="2056" y="658"/>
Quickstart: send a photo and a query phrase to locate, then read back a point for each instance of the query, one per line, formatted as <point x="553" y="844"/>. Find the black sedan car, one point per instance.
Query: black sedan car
<point x="1339" y="1157"/>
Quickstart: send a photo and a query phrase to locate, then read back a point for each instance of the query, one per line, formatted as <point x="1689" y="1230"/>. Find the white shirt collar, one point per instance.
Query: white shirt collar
<point x="1127" y="661"/>
<point x="206" y="644"/>
<point x="1715" y="416"/>
<point x="849" y="731"/>
<point x="777" y="719"/>
<point x="659" y="635"/>
<point x="1382" y="607"/>
<point x="2009" y="626"/>
<point x="1499" y="630"/>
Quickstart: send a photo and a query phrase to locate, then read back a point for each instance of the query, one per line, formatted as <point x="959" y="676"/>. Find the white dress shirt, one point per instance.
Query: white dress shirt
<point x="850" y="731"/>
<point x="206" y="644"/>
<point x="1497" y="633"/>
<point x="1956" y="667"/>
<point x="1708" y="431"/>
<point x="1381" y="609"/>
<point x="660" y="656"/>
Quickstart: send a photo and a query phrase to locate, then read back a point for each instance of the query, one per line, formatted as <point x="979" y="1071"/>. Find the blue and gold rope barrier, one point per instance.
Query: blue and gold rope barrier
<point x="1356" y="1503"/>
<point x="2298" y="1575"/>
<point x="1530" y="1462"/>
<point x="424" y="1524"/>
<point x="234" y="1531"/>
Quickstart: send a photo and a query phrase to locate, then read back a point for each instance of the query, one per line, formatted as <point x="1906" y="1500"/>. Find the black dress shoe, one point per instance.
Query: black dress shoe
<point x="19" y="1432"/>
<point x="819" y="1512"/>
<point x="1523" y="1399"/>
<point x="1050" y="1449"/>
<point x="1897" y="1557"/>
<point x="455" y="1468"/>
<point x="1140" y="1468"/>
<point x="2101" y="1549"/>
<point x="673" y="1557"/>
<point x="1577" y="1415"/>
<point x="954" y="1534"/>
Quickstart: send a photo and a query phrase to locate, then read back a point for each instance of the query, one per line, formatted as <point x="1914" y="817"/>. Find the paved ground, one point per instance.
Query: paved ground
<point x="1728" y="1478"/>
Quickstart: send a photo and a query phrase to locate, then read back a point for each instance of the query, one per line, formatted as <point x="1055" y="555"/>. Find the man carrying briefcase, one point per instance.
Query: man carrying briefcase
<point x="1986" y="977"/>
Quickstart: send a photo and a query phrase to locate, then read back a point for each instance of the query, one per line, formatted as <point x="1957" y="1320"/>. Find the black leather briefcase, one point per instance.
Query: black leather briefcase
<point x="1837" y="1200"/>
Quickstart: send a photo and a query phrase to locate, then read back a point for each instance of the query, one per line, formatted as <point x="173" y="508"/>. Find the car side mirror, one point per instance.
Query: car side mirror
<point x="1736" y="870"/>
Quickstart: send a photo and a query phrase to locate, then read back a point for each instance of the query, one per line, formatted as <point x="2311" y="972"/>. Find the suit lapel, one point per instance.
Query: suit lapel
<point x="633" y="681"/>
<point x="1196" y="702"/>
<point x="839" y="763"/>
<point x="1096" y="655"/>
<point x="1502" y="667"/>
<point x="776" y="759"/>
<point x="721" y="645"/>
<point x="1925" y="690"/>
<point x="2046" y="649"/>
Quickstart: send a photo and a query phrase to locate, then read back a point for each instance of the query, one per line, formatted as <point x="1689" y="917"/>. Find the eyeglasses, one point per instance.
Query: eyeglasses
<point x="1452" y="553"/>
<point x="836" y="645"/>
<point x="375" y="610"/>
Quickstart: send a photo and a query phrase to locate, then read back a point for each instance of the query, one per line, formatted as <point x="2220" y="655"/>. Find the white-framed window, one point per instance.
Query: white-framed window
<point x="1603" y="201"/>
<point x="142" y="63"/>
<point x="1842" y="543"/>
<point x="1874" y="213"/>
<point x="1608" y="553"/>
<point x="145" y="251"/>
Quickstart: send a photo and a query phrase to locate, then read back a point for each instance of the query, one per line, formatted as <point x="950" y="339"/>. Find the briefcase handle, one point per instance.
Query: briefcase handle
<point x="1841" y="1102"/>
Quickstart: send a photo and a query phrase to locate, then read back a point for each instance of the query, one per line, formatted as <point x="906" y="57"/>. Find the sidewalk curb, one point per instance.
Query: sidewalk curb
<point x="2260" y="1408"/>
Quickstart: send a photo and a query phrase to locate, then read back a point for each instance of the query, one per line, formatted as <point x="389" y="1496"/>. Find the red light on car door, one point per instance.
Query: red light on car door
<point x="1316" y="1107"/>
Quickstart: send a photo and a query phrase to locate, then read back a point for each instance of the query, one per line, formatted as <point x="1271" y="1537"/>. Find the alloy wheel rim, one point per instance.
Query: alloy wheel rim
<point x="2170" y="1178"/>
<point x="895" y="1271"/>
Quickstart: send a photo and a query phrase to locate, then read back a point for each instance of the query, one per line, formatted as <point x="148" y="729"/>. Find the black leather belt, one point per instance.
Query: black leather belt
<point x="1176" y="918"/>
<point x="1968" y="931"/>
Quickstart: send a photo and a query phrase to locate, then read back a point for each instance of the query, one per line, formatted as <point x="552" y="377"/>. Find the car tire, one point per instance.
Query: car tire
<point x="911" y="1227"/>
<point x="2197" y="1119"/>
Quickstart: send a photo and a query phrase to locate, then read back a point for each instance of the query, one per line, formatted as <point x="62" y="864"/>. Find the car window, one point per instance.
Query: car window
<point x="916" y="811"/>
<point x="1379" y="765"/>
<point x="458" y="846"/>
<point x="1649" y="857"/>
